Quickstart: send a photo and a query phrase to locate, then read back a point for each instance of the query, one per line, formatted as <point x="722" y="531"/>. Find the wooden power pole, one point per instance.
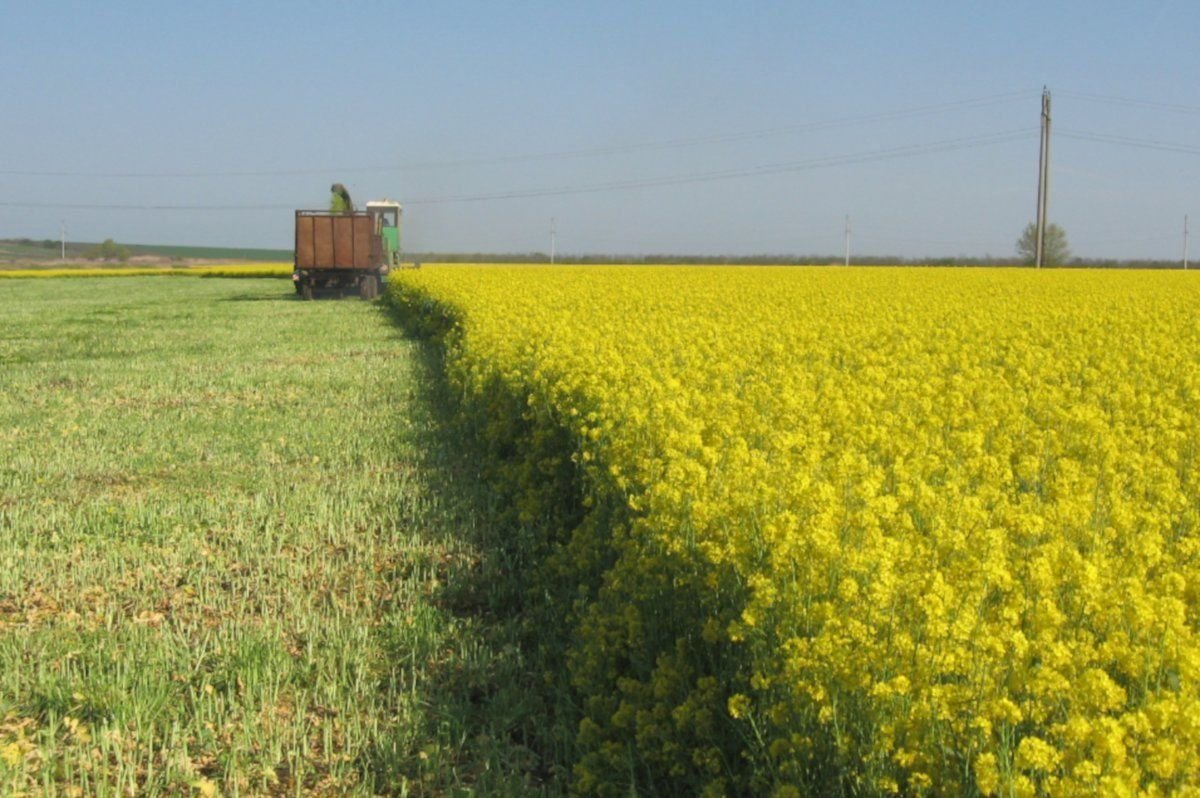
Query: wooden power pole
<point x="847" y="239"/>
<point x="1043" y="179"/>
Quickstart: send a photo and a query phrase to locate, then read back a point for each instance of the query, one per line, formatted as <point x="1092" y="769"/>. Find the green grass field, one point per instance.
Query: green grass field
<point x="237" y="554"/>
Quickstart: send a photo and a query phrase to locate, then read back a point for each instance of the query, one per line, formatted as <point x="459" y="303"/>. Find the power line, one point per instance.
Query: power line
<point x="1100" y="98"/>
<point x="761" y="170"/>
<point x="1125" y="240"/>
<point x="91" y="206"/>
<point x="873" y="235"/>
<point x="1129" y="141"/>
<point x="906" y="151"/>
<point x="620" y="149"/>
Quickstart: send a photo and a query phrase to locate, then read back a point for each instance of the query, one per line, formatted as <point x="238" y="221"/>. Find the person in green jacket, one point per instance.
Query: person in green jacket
<point x="339" y="201"/>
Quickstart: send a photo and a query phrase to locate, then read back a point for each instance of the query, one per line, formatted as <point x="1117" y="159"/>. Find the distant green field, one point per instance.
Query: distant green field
<point x="25" y="249"/>
<point x="48" y="250"/>
<point x="50" y="271"/>
<point x="212" y="253"/>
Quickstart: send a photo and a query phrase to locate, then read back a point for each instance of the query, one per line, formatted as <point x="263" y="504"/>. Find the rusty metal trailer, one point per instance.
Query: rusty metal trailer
<point x="341" y="251"/>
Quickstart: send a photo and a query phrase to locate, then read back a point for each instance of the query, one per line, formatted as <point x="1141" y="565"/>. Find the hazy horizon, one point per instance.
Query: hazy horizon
<point x="674" y="128"/>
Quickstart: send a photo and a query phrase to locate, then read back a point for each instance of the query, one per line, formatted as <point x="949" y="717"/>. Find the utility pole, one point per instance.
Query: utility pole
<point x="553" y="236"/>
<point x="847" y="239"/>
<point x="1185" y="241"/>
<point x="1043" y="178"/>
<point x="63" y="239"/>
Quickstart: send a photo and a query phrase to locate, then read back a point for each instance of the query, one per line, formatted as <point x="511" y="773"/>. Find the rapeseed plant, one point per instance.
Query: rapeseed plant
<point x="876" y="530"/>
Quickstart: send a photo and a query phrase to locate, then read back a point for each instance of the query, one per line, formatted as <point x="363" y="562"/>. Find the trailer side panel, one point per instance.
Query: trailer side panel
<point x="338" y="242"/>
<point x="343" y="243"/>
<point x="305" y="242"/>
<point x="365" y="243"/>
<point x="323" y="241"/>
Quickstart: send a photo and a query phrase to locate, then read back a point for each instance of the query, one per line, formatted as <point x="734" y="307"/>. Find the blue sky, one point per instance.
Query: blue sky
<point x="817" y="110"/>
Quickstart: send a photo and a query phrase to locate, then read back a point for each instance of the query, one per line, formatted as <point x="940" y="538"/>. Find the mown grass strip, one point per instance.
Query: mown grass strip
<point x="237" y="554"/>
<point x="248" y="270"/>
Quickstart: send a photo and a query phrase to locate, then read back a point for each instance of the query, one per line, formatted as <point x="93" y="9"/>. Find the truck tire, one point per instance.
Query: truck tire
<point x="369" y="288"/>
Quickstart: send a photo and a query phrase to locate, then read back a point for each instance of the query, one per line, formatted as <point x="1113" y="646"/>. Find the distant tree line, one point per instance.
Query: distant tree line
<point x="29" y="242"/>
<point x="775" y="260"/>
<point x="1057" y="254"/>
<point x="108" y="250"/>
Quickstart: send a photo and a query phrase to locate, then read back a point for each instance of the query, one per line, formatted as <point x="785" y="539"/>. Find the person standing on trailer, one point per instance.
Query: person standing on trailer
<point x="340" y="201"/>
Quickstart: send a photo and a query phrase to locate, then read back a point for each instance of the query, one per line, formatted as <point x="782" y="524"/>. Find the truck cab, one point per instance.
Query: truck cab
<point x="386" y="214"/>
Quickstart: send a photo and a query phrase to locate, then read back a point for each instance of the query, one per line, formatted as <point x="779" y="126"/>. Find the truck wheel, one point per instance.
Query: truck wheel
<point x="369" y="288"/>
<point x="306" y="292"/>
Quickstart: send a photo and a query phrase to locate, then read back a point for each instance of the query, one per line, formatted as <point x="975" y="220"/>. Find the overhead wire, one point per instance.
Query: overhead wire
<point x="1129" y="102"/>
<point x="848" y="159"/>
<point x="763" y="169"/>
<point x="619" y="149"/>
<point x="911" y="150"/>
<point x="874" y="234"/>
<point x="1129" y="141"/>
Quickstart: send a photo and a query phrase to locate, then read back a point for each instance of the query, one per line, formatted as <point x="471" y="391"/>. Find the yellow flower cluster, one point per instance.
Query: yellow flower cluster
<point x="874" y="530"/>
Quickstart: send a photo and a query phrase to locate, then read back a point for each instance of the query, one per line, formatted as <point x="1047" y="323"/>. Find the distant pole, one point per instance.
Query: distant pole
<point x="847" y="239"/>
<point x="1043" y="179"/>
<point x="553" y="236"/>
<point x="63" y="239"/>
<point x="1185" y="241"/>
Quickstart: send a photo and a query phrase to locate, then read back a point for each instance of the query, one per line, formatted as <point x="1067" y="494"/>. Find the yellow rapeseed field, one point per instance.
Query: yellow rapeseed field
<point x="871" y="531"/>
